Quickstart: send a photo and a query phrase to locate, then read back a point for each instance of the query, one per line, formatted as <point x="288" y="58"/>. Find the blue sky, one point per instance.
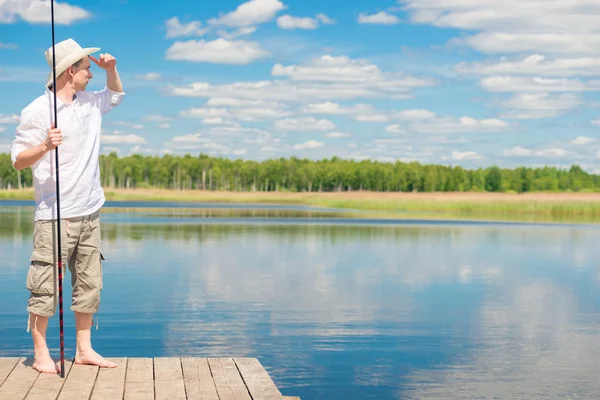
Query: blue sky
<point x="469" y="82"/>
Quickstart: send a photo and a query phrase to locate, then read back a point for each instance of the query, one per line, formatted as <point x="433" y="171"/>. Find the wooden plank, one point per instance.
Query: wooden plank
<point x="110" y="383"/>
<point x="258" y="382"/>
<point x="20" y="380"/>
<point x="228" y="379"/>
<point x="48" y="386"/>
<point x="80" y="382"/>
<point x="139" y="379"/>
<point x="7" y="364"/>
<point x="199" y="384"/>
<point x="168" y="379"/>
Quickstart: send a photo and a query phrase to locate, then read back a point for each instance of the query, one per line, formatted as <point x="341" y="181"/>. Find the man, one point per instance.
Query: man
<point x="81" y="196"/>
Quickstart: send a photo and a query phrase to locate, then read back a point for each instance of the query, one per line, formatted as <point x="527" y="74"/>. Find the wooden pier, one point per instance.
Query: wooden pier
<point x="143" y="379"/>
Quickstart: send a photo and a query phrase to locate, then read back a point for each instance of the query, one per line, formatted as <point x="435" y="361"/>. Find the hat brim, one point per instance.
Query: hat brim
<point x="70" y="60"/>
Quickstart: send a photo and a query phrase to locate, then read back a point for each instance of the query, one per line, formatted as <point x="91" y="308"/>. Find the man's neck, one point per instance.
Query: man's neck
<point x="66" y="94"/>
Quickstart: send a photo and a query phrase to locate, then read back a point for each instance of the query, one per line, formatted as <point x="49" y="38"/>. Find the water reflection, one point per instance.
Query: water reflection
<point x="345" y="312"/>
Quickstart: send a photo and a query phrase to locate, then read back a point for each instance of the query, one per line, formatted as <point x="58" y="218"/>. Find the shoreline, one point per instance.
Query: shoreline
<point x="536" y="206"/>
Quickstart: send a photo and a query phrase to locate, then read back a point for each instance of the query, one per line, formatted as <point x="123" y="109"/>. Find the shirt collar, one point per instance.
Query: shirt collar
<point x="59" y="102"/>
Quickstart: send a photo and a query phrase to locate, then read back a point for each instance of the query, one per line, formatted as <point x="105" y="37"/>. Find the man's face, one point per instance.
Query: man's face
<point x="82" y="75"/>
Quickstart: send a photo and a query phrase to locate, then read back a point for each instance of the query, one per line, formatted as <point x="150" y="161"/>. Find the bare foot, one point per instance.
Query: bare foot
<point x="45" y="365"/>
<point x="90" y="357"/>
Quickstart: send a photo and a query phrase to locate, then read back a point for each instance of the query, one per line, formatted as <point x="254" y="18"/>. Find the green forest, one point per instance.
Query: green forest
<point x="301" y="175"/>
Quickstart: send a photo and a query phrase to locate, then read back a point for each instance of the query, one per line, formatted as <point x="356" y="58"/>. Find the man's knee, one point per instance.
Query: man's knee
<point x="41" y="285"/>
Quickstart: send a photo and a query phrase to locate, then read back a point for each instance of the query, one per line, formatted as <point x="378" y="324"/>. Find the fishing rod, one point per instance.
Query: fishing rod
<point x="60" y="266"/>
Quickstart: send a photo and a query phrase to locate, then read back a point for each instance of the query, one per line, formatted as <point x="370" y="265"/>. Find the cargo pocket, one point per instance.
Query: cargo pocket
<point x="40" y="278"/>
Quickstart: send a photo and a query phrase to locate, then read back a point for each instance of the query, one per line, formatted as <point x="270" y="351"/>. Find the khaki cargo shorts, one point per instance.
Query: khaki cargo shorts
<point x="80" y="242"/>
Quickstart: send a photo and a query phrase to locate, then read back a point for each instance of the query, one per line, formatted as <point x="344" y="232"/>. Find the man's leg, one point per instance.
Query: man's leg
<point x="42" y="362"/>
<point x="85" y="353"/>
<point x="87" y="285"/>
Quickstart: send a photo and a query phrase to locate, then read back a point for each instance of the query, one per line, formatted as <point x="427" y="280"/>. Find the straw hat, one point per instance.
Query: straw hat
<point x="68" y="52"/>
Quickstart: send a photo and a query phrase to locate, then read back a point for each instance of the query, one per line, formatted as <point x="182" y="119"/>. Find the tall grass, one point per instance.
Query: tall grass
<point x="553" y="206"/>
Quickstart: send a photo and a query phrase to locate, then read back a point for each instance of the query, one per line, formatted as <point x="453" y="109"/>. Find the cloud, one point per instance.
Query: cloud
<point x="303" y="124"/>
<point x="537" y="84"/>
<point x="2" y="129"/>
<point x="289" y="22"/>
<point x="415" y="114"/>
<point x="324" y="78"/>
<point x="583" y="140"/>
<point x="359" y="112"/>
<point x="311" y="144"/>
<point x="8" y="46"/>
<point x="150" y="76"/>
<point x="122" y="139"/>
<point x="9" y="119"/>
<point x="515" y="26"/>
<point x="219" y="51"/>
<point x="381" y="18"/>
<point x="450" y="125"/>
<point x="177" y="29"/>
<point x="249" y="13"/>
<point x="338" y="135"/>
<point x="38" y="11"/>
<point x="535" y="64"/>
<point x="539" y="105"/>
<point x="519" y="151"/>
<point x="156" y="118"/>
<point x="463" y="155"/>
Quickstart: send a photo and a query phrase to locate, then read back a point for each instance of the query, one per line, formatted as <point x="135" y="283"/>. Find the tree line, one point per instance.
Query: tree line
<point x="203" y="172"/>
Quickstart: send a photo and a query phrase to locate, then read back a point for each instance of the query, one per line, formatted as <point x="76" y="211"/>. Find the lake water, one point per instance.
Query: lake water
<point x="334" y="307"/>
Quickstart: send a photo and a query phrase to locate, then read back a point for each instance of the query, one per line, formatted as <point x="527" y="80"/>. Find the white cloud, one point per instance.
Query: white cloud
<point x="558" y="27"/>
<point x="215" y="115"/>
<point x="164" y="126"/>
<point x="537" y="84"/>
<point x="303" y="124"/>
<point x="8" y="46"/>
<point x="539" y="105"/>
<point x="38" y="11"/>
<point x="381" y="18"/>
<point x="202" y="112"/>
<point x="156" y="118"/>
<point x="596" y="122"/>
<point x="416" y="114"/>
<point x="338" y="135"/>
<point x="450" y="125"/>
<point x="463" y="155"/>
<point x="359" y="112"/>
<point x="325" y="78"/>
<point x="535" y="64"/>
<point x="519" y="151"/>
<point x="582" y="140"/>
<point x="150" y="76"/>
<point x="252" y="12"/>
<point x="9" y="119"/>
<point x="243" y="31"/>
<point x="177" y="29"/>
<point x="291" y="22"/>
<point x="218" y="51"/>
<point x="311" y="144"/>
<point x="2" y="129"/>
<point x="122" y="139"/>
<point x="236" y="102"/>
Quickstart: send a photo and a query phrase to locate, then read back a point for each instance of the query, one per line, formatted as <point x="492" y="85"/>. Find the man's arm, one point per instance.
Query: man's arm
<point x="113" y="80"/>
<point x="30" y="145"/>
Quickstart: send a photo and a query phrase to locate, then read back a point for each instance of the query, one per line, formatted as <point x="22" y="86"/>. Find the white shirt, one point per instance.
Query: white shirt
<point x="79" y="171"/>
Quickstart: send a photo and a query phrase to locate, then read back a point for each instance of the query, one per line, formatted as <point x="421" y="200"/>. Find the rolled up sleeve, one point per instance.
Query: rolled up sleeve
<point x="29" y="133"/>
<point x="106" y="99"/>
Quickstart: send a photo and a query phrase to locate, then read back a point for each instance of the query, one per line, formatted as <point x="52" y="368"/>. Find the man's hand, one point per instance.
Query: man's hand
<point x="53" y="140"/>
<point x="106" y="62"/>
